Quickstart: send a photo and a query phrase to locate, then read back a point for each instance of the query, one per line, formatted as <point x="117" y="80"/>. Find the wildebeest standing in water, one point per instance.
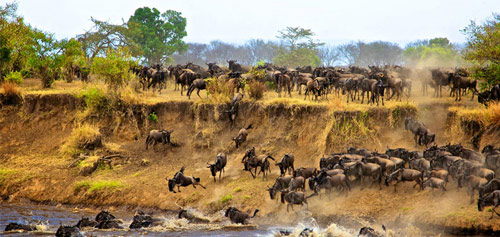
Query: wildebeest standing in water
<point x="237" y="216"/>
<point x="218" y="166"/>
<point x="242" y="136"/>
<point x="155" y="136"/>
<point x="181" y="180"/>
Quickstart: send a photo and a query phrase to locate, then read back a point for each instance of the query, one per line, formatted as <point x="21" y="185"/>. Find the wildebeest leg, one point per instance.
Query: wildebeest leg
<point x="200" y="185"/>
<point x="178" y="188"/>
<point x="220" y="174"/>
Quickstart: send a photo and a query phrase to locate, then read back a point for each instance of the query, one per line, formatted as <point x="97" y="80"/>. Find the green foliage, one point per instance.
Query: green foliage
<point x="14" y="77"/>
<point x="152" y="117"/>
<point x="158" y="35"/>
<point x="226" y="198"/>
<point x="260" y="63"/>
<point x="71" y="57"/>
<point x="270" y="85"/>
<point x="92" y="186"/>
<point x="114" y="68"/>
<point x="437" y="52"/>
<point x="95" y="100"/>
<point x="102" y="37"/>
<point x="483" y="50"/>
<point x="297" y="48"/>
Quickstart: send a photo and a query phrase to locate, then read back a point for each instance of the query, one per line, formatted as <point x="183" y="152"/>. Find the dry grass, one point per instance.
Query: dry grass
<point x="10" y="89"/>
<point x="256" y="90"/>
<point x="80" y="136"/>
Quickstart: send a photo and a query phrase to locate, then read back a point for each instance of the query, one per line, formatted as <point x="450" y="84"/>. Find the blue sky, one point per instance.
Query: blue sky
<point x="334" y="22"/>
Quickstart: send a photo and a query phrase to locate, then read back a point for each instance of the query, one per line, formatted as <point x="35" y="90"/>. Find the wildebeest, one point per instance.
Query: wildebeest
<point x="181" y="180"/>
<point x="293" y="198"/>
<point x="442" y="174"/>
<point x="377" y="90"/>
<point x="65" y="231"/>
<point x="281" y="183"/>
<point x="186" y="214"/>
<point x="198" y="84"/>
<point x="472" y="183"/>
<point x="86" y="222"/>
<point x="434" y="183"/>
<point x="489" y="187"/>
<point x="242" y="136"/>
<point x="155" y="136"/>
<point x="252" y="161"/>
<point x="327" y="182"/>
<point x="297" y="183"/>
<point x="17" y="226"/>
<point x="422" y="134"/>
<point x="286" y="164"/>
<point x="492" y="199"/>
<point x="305" y="172"/>
<point x="218" y="166"/>
<point x="143" y="220"/>
<point x="404" y="175"/>
<point x="237" y="216"/>
<point x="363" y="170"/>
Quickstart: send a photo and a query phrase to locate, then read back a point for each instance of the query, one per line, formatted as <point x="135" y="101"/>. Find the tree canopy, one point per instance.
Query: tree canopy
<point x="158" y="35"/>
<point x="297" y="48"/>
<point x="483" y="50"/>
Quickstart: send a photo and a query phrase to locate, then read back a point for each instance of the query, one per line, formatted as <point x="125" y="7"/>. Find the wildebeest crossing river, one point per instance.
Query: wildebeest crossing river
<point x="47" y="220"/>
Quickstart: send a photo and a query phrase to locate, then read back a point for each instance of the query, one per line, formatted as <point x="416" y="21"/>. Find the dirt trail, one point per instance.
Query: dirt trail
<point x="33" y="166"/>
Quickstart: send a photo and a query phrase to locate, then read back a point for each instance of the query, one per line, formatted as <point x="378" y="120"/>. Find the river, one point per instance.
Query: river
<point x="48" y="218"/>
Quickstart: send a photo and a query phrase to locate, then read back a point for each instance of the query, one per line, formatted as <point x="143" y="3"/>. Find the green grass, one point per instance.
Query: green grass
<point x="92" y="186"/>
<point x="226" y="198"/>
<point x="238" y="189"/>
<point x="4" y="172"/>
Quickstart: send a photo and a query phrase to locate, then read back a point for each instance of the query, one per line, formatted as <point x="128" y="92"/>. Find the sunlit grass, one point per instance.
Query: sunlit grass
<point x="92" y="186"/>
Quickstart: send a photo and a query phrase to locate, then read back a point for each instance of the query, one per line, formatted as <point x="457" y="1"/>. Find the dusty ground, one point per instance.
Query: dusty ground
<point x="34" y="166"/>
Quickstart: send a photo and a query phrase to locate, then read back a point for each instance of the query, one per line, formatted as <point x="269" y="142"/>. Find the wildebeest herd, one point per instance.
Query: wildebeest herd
<point x="433" y="168"/>
<point x="350" y="81"/>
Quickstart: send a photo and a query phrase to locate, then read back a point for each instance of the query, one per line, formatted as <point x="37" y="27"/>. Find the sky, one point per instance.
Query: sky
<point x="333" y="22"/>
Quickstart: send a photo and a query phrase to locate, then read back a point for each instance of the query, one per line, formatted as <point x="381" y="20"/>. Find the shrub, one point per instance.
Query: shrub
<point x="270" y="85"/>
<point x="95" y="100"/>
<point x="256" y="90"/>
<point x="14" y="77"/>
<point x="83" y="137"/>
<point x="152" y="117"/>
<point x="10" y="89"/>
<point x="218" y="89"/>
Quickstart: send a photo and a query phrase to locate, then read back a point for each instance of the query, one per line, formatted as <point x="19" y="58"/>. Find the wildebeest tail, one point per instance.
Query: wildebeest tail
<point x="249" y="126"/>
<point x="255" y="212"/>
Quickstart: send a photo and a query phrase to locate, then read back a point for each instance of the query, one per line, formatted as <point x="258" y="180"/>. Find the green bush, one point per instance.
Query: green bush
<point x="226" y="198"/>
<point x="152" y="117"/>
<point x="14" y="77"/>
<point x="95" y="100"/>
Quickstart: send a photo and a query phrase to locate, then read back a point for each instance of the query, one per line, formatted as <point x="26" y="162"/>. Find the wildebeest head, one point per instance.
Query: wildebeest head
<point x="166" y="135"/>
<point x="380" y="87"/>
<point x="171" y="185"/>
<point x="407" y="122"/>
<point x="213" y="169"/>
<point x="312" y="183"/>
<point x="229" y="211"/>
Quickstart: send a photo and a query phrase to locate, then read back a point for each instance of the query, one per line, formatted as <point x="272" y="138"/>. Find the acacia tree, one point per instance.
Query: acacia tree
<point x="297" y="48"/>
<point x="483" y="50"/>
<point x="114" y="68"/>
<point x="102" y="37"/>
<point x="158" y="35"/>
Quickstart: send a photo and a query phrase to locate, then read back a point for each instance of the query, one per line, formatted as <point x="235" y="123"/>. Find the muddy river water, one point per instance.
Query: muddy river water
<point x="48" y="218"/>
